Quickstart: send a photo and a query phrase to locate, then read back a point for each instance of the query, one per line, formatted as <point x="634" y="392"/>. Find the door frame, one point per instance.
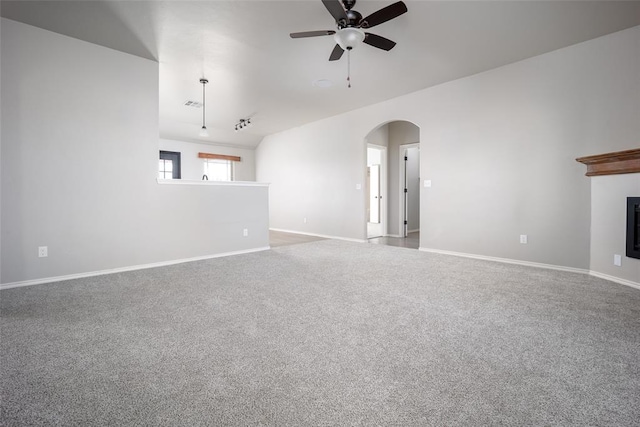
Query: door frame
<point x="383" y="187"/>
<point x="402" y="208"/>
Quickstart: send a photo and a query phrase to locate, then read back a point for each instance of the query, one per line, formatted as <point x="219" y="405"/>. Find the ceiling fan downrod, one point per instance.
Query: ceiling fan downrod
<point x="348" y="4"/>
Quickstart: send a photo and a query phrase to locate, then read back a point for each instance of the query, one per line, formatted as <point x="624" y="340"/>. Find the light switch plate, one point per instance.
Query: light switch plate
<point x="617" y="260"/>
<point x="427" y="183"/>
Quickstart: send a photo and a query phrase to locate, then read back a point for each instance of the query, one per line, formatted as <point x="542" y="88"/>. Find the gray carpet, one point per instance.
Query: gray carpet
<point x="323" y="333"/>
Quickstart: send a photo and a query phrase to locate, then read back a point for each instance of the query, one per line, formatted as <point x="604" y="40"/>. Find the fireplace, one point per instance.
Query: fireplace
<point x="620" y="162"/>
<point x="633" y="227"/>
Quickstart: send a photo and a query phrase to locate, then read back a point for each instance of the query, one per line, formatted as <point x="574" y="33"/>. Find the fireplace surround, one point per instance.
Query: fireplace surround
<point x="633" y="227"/>
<point x="620" y="162"/>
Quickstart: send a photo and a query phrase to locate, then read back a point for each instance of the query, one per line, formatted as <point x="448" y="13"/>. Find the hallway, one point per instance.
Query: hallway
<point x="280" y="238"/>
<point x="412" y="241"/>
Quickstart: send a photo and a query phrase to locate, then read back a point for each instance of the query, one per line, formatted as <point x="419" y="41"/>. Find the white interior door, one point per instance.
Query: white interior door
<point x="374" y="194"/>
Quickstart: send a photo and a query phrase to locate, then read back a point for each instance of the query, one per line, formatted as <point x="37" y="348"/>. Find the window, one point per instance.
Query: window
<point x="169" y="165"/>
<point x="218" y="169"/>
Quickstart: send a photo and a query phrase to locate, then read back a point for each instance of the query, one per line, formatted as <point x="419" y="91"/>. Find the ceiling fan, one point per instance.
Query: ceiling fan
<point x="351" y="25"/>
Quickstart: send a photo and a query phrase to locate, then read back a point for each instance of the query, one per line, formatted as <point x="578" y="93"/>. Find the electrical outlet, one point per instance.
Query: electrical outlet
<point x="617" y="260"/>
<point x="427" y="183"/>
<point x="523" y="239"/>
<point x="358" y="187"/>
<point x="305" y="220"/>
<point x="43" y="251"/>
<point x="245" y="232"/>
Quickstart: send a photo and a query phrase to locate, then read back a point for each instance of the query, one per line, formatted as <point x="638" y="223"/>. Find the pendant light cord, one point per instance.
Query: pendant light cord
<point x="203" y="131"/>
<point x="203" y="103"/>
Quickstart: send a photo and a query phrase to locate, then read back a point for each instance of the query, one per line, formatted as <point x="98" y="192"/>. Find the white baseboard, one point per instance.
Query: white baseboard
<point x="413" y="231"/>
<point x="508" y="261"/>
<point x="348" y="239"/>
<point x="615" y="279"/>
<point x="539" y="265"/>
<point x="123" y="269"/>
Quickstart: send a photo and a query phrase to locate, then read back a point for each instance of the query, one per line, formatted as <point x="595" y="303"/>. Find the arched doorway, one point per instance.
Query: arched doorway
<point x="393" y="175"/>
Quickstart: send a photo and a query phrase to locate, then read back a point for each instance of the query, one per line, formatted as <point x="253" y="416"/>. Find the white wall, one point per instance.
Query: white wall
<point x="0" y="154"/>
<point x="312" y="175"/>
<point x="608" y="225"/>
<point x="498" y="146"/>
<point x="379" y="136"/>
<point x="79" y="167"/>
<point x="191" y="165"/>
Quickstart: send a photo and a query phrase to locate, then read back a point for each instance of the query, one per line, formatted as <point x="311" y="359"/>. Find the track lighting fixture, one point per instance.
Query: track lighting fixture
<point x="203" y="131"/>
<point x="243" y="124"/>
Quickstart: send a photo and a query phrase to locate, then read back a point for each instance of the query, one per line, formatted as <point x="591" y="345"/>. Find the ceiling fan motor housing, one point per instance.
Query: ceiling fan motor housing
<point x="353" y="18"/>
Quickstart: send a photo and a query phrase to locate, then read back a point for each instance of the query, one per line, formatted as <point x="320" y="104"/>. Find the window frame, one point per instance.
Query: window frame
<point x="175" y="157"/>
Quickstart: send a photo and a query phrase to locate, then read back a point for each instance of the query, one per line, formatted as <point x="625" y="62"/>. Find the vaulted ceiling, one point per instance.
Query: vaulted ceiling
<point x="256" y="70"/>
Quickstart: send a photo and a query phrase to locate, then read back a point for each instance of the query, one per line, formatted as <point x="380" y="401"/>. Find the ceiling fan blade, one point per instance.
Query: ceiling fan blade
<point x="311" y="34"/>
<point x="383" y="15"/>
<point x="335" y="9"/>
<point x="336" y="53"/>
<point x="378" y="41"/>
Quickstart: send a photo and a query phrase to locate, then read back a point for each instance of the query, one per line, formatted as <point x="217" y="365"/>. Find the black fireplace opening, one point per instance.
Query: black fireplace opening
<point x="633" y="227"/>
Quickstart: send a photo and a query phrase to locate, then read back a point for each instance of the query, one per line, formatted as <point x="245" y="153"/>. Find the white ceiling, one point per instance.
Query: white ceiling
<point x="255" y="69"/>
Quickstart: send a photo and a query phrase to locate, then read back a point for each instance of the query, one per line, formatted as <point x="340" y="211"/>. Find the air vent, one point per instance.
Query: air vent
<point x="194" y="104"/>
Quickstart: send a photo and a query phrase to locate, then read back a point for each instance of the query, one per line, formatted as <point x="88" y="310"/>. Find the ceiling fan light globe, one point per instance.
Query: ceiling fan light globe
<point x="348" y="38"/>
<point x="204" y="132"/>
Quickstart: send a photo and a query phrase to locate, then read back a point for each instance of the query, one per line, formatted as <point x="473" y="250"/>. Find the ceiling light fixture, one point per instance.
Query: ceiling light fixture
<point x="203" y="131"/>
<point x="347" y="39"/>
<point x="243" y="124"/>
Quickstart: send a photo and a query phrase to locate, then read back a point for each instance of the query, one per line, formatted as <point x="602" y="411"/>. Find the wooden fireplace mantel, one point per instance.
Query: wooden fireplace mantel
<point x="612" y="163"/>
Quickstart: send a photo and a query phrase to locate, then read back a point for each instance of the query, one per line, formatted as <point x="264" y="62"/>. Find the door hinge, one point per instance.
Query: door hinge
<point x="405" y="223"/>
<point x="405" y="190"/>
<point x="406" y="158"/>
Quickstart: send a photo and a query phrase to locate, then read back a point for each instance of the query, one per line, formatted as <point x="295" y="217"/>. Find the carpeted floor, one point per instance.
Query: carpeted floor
<point x="323" y="333"/>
